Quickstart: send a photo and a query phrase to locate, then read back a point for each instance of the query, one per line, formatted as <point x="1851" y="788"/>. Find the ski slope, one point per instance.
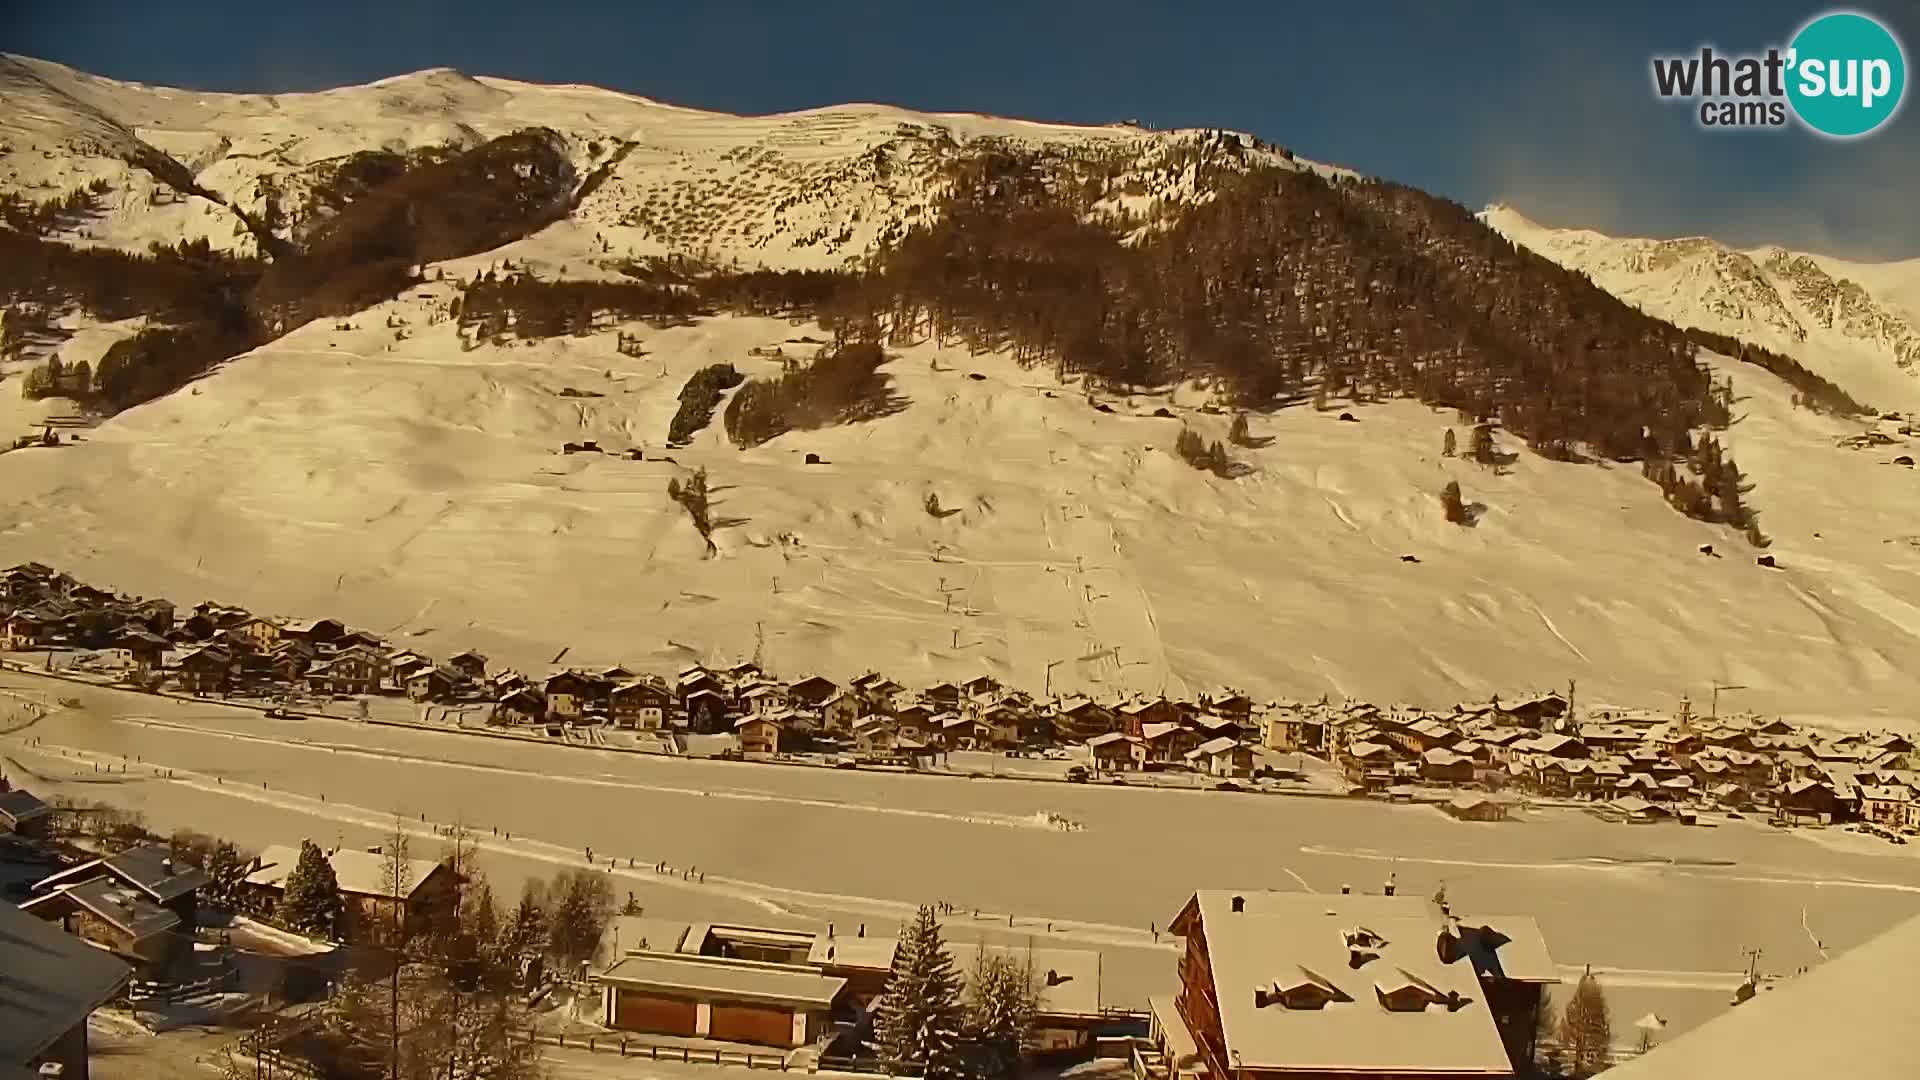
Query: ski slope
<point x="419" y="489"/>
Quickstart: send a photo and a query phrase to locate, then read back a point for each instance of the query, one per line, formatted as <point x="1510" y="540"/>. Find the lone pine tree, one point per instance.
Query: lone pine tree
<point x="920" y="1016"/>
<point x="310" y="902"/>
<point x="1586" y="1032"/>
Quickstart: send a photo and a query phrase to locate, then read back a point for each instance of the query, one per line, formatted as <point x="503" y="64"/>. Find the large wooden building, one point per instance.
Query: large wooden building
<point x="50" y="982"/>
<point x="728" y="983"/>
<point x="1300" y="986"/>
<point x="371" y="901"/>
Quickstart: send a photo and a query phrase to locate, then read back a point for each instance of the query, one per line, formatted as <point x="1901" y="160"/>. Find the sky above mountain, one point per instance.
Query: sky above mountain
<point x="1547" y="106"/>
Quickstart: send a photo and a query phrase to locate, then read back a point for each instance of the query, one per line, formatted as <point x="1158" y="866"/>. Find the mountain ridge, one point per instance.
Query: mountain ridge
<point x="1810" y="306"/>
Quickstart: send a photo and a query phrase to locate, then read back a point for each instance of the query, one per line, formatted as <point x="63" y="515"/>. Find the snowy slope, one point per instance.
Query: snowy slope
<point x="416" y="488"/>
<point x="1858" y="324"/>
<point x="413" y="486"/>
<point x="798" y="190"/>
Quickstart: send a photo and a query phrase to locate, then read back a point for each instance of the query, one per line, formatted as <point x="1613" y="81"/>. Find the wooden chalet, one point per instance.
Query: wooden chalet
<point x="29" y="629"/>
<point x="1233" y="706"/>
<point x="965" y="733"/>
<point x="354" y="671"/>
<point x="1534" y="712"/>
<point x="118" y="919"/>
<point x="942" y="696"/>
<point x="374" y="902"/>
<point x="1115" y="751"/>
<point x="1080" y="719"/>
<point x="758" y="733"/>
<point x="1810" y="801"/>
<point x="571" y="695"/>
<point x="1369" y="764"/>
<point x="261" y="631"/>
<point x="706" y="712"/>
<point x="207" y="670"/>
<point x="520" y="706"/>
<point x="22" y="813"/>
<point x="149" y="870"/>
<point x="320" y="632"/>
<point x="875" y="736"/>
<point x="433" y="683"/>
<point x="641" y="704"/>
<point x="470" y="664"/>
<point x="290" y="660"/>
<point x="1134" y="716"/>
<point x="686" y="994"/>
<point x="839" y="712"/>
<point x="1475" y="807"/>
<point x="1293" y="731"/>
<point x="145" y="649"/>
<point x="54" y="983"/>
<point x="1443" y="766"/>
<point x="980" y="686"/>
<point x="1287" y="985"/>
<point x="814" y="691"/>
<point x="1223" y="756"/>
<point x="915" y="721"/>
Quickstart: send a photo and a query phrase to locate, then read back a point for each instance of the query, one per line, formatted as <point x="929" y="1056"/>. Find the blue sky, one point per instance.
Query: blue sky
<point x="1542" y="103"/>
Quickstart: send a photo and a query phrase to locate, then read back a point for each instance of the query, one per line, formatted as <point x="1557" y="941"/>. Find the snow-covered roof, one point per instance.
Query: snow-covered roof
<point x="362" y="873"/>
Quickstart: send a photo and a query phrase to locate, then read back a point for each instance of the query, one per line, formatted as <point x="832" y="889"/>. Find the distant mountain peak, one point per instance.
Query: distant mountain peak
<point x="1818" y="309"/>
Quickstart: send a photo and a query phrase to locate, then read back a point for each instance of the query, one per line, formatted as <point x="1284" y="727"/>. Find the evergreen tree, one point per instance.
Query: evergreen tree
<point x="1586" y="1033"/>
<point x="1001" y="1002"/>
<point x="1238" y="434"/>
<point x="1545" y="1022"/>
<point x="1454" y="503"/>
<point x="310" y="901"/>
<point x="920" y="1016"/>
<point x="225" y="870"/>
<point x="1483" y="449"/>
<point x="526" y="931"/>
<point x="39" y="383"/>
<point x="582" y="904"/>
<point x="1449" y="445"/>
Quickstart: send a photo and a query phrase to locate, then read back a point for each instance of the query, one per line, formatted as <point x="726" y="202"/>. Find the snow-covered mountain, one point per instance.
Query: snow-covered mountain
<point x="1858" y="324"/>
<point x="385" y="469"/>
<point x="802" y="190"/>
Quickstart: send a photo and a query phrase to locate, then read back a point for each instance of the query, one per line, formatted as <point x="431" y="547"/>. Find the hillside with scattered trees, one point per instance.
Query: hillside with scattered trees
<point x="1285" y="287"/>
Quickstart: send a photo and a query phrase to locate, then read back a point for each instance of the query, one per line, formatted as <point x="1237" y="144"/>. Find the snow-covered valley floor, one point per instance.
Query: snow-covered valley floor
<point x="1665" y="909"/>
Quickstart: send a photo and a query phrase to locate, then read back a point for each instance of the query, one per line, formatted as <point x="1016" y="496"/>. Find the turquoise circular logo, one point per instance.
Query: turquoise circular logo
<point x="1847" y="74"/>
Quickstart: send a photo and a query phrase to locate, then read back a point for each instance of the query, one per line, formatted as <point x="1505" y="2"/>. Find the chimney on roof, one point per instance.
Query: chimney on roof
<point x="1239" y="904"/>
<point x="166" y="866"/>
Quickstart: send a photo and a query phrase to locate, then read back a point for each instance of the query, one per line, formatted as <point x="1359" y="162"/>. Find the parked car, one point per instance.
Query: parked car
<point x="1077" y="774"/>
